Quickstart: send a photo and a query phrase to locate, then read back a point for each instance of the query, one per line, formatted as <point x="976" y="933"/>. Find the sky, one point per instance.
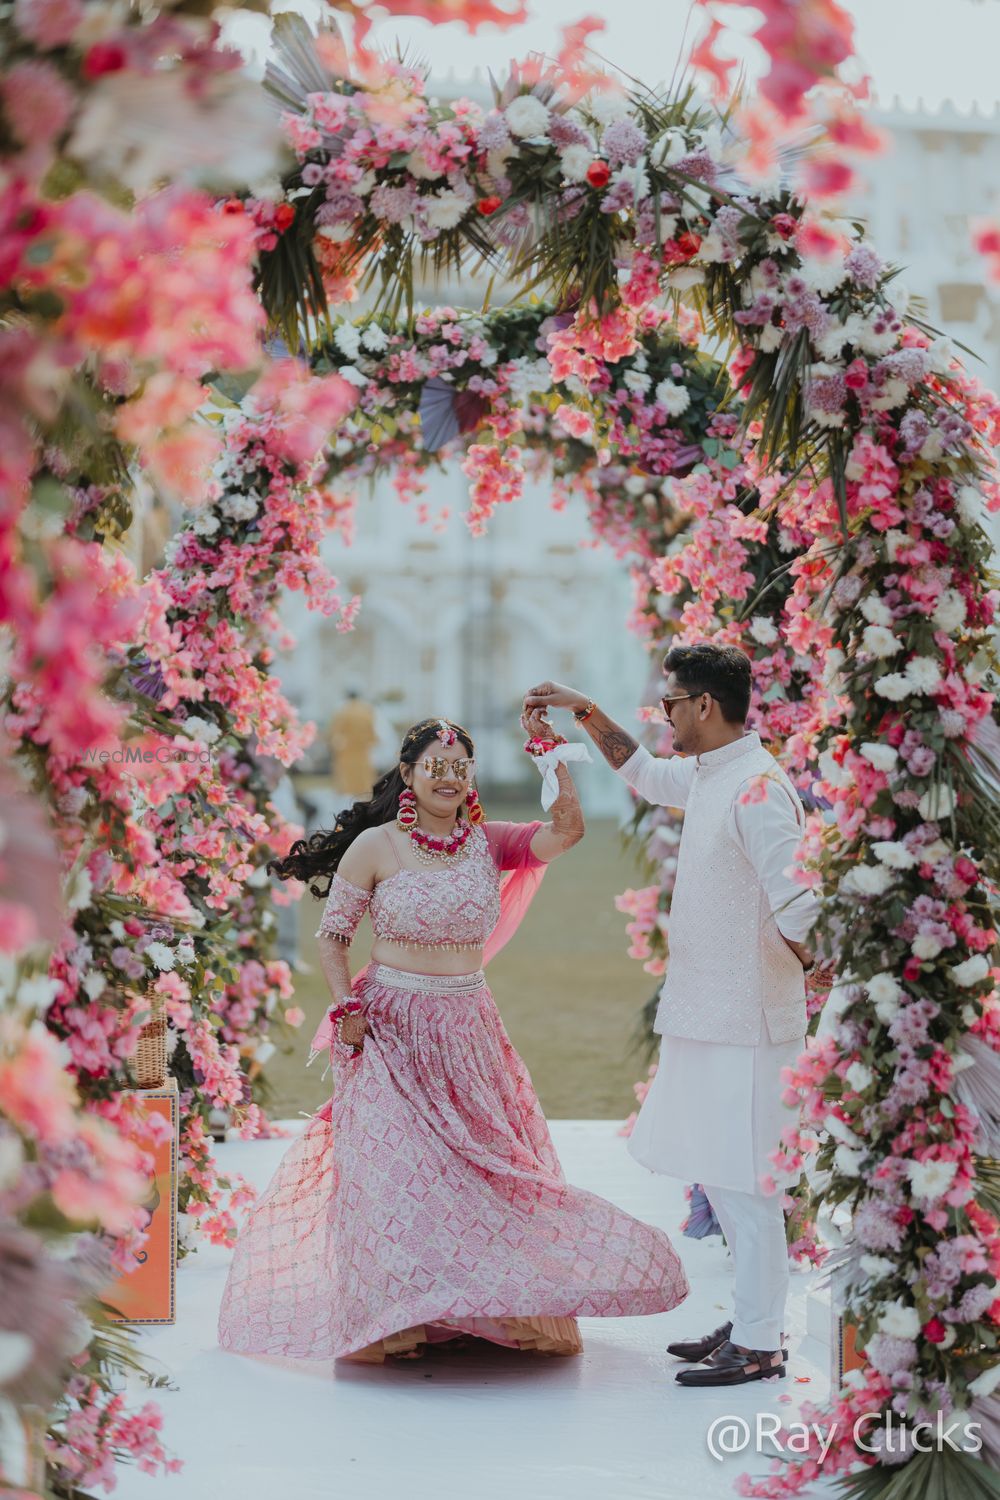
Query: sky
<point x="916" y="50"/>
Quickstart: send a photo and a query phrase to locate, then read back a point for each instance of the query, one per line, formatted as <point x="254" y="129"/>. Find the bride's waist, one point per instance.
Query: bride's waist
<point x="411" y="979"/>
<point x="428" y="958"/>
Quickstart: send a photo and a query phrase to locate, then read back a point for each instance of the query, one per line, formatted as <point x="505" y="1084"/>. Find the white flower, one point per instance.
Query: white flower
<point x="418" y="166"/>
<point x="205" y="523"/>
<point x="878" y="1267"/>
<point x="971" y="971"/>
<point x="669" y="149"/>
<point x="882" y="757"/>
<point x="878" y="641"/>
<point x="867" y="880"/>
<point x="93" y="984"/>
<point x="884" y="993"/>
<point x="374" y="338"/>
<point x="608" y="106"/>
<point x="200" y="729"/>
<point x="847" y="1161"/>
<point x="348" y="340"/>
<point x="574" y="161"/>
<point x="830" y="343"/>
<point x="899" y="1320"/>
<point x="763" y="630"/>
<point x="527" y="116"/>
<point x="685" y="277"/>
<point x="240" y="507"/>
<point x="712" y="248"/>
<point x="942" y="353"/>
<point x="823" y="276"/>
<point x="969" y="504"/>
<point x="859" y="1076"/>
<point x="116" y="927"/>
<point x="637" y="381"/>
<point x="363" y="186"/>
<point x="445" y="210"/>
<point x="930" y="1179"/>
<point x="833" y="772"/>
<point x="353" y="376"/>
<point x="986" y="1383"/>
<point x="79" y="890"/>
<point x="875" y="610"/>
<point x="894" y="854"/>
<point x="925" y="946"/>
<point x="936" y="803"/>
<point x="893" y="541"/>
<point x="770" y="338"/>
<point x="894" y="686"/>
<point x="38" y="992"/>
<point x="676" y="398"/>
<point x="839" y="1128"/>
<point x="161" y="956"/>
<point x="949" y="612"/>
<point x="870" y="342"/>
<point x="924" y="673"/>
<point x="263" y="1052"/>
<point x="893" y="393"/>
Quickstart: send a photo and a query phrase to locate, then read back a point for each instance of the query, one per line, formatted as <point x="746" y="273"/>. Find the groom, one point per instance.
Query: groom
<point x="732" y="1010"/>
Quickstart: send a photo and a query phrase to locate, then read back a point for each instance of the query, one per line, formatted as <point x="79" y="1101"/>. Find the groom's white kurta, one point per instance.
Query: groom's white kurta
<point x="732" y="1009"/>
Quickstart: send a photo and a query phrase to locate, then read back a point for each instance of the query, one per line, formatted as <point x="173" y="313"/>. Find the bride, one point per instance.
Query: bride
<point x="425" y="1201"/>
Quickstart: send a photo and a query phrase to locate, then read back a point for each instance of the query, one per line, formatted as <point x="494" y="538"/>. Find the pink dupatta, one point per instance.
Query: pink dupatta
<point x="522" y="873"/>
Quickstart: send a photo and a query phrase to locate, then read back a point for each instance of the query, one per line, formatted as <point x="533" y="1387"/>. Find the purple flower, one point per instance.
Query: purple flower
<point x="887" y="1354"/>
<point x="863" y="266"/>
<point x="620" y="197"/>
<point x="493" y="132"/>
<point x="563" y="132"/>
<point x="393" y="204"/>
<point x="623" y="142"/>
<point x="914" y="430"/>
<point x="910" y="365"/>
<point x="876" y="1227"/>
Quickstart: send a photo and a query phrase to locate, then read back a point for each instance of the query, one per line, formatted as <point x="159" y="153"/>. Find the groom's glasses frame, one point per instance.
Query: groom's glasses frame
<point x="668" y="703"/>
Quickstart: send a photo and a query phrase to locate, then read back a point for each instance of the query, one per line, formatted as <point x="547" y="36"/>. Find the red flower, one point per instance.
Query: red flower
<point x="856" y="375"/>
<point x="233" y="206"/>
<point x="935" y="1331"/>
<point x="284" y="215"/>
<point x="911" y="970"/>
<point x="598" y="174"/>
<point x="688" y="243"/>
<point x="785" y="225"/>
<point x="104" y="57"/>
<point x="489" y="205"/>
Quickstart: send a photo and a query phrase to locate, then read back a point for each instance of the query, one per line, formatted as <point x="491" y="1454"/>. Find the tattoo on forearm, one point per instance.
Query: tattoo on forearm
<point x="614" y="744"/>
<point x="567" y="814"/>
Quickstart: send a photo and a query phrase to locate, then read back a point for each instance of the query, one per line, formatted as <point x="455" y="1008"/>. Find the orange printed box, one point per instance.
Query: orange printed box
<point x="846" y="1351"/>
<point x="147" y="1294"/>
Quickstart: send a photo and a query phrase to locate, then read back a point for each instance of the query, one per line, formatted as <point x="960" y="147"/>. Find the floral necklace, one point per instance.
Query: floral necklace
<point x="430" y="847"/>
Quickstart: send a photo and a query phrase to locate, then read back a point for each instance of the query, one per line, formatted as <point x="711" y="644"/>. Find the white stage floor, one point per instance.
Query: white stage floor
<point x="609" y="1425"/>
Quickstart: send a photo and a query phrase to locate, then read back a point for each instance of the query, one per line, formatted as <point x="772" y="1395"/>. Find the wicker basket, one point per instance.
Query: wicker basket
<point x="149" y="1065"/>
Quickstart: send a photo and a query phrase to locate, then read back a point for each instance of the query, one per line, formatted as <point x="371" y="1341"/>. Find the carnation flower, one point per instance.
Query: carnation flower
<point x="623" y="141"/>
<point x="949" y="612"/>
<point x="937" y="802"/>
<point x="894" y="854"/>
<point x="348" y="340"/>
<point x="899" y="1320"/>
<point x="574" y="162"/>
<point x="930" y="1179"/>
<point x="848" y="1161"/>
<point x="867" y="880"/>
<point x="526" y="116"/>
<point x="763" y="630"/>
<point x="445" y="210"/>
<point x="894" y="686"/>
<point x="924" y="673"/>
<point x="877" y="1266"/>
<point x="882" y="757"/>
<point x="878" y="641"/>
<point x="160" y="955"/>
<point x="972" y="971"/>
<point x="676" y="398"/>
<point x="876" y="611"/>
<point x="859" y="1077"/>
<point x="884" y="993"/>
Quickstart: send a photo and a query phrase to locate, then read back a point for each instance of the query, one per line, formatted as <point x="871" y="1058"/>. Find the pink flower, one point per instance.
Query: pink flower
<point x="37" y="101"/>
<point x="295" y="1015"/>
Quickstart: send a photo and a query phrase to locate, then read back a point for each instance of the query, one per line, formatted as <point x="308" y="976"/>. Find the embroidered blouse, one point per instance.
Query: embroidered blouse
<point x="456" y="906"/>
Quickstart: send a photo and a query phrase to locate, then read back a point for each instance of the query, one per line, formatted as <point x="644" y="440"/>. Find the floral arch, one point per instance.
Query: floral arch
<point x="813" y="488"/>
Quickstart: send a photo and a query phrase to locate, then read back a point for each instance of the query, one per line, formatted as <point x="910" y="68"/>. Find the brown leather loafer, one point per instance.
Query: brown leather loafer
<point x="732" y="1366"/>
<point x="693" y="1350"/>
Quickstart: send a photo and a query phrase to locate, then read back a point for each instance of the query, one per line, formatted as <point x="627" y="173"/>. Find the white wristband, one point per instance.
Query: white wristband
<point x="547" y="763"/>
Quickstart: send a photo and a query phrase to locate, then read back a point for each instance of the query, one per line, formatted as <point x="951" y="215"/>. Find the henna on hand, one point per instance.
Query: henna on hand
<point x="566" y="815"/>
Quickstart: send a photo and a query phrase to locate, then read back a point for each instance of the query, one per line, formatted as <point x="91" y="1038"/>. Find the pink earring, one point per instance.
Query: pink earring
<point x="406" y="816"/>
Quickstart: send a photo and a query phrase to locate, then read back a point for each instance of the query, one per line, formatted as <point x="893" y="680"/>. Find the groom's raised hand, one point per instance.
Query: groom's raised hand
<point x="554" y="695"/>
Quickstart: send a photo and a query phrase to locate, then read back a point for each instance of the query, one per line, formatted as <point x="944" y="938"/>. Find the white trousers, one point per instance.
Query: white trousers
<point x="754" y="1226"/>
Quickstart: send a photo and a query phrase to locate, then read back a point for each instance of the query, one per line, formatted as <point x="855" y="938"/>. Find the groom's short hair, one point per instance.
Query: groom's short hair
<point x="723" y="671"/>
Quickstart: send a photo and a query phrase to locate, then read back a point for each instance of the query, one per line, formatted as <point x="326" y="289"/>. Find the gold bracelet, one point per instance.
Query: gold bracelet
<point x="581" y="715"/>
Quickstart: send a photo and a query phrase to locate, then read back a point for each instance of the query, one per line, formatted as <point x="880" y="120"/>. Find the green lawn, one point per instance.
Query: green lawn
<point x="568" y="994"/>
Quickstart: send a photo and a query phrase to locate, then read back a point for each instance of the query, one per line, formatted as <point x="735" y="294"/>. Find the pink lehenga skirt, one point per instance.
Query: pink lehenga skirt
<point x="426" y="1201"/>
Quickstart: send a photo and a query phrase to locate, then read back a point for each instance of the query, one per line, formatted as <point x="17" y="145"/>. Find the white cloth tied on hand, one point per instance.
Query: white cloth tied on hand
<point x="560" y="755"/>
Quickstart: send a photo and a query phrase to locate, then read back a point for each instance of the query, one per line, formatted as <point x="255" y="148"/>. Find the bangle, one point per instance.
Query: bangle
<point x="338" y="1012"/>
<point x="581" y="715"/>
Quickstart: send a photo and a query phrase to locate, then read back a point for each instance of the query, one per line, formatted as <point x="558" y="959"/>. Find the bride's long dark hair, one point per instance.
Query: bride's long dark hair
<point x="315" y="859"/>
